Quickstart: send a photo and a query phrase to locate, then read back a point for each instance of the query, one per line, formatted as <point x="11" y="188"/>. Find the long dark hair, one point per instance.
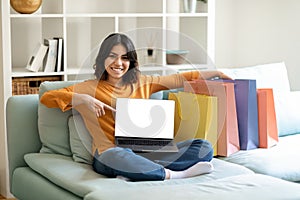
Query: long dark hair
<point x="108" y="43"/>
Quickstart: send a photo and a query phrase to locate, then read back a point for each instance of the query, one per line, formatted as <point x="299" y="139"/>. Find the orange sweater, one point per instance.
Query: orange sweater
<point x="102" y="128"/>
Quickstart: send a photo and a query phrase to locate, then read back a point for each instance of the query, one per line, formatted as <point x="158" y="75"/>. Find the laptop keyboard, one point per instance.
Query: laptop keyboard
<point x="144" y="142"/>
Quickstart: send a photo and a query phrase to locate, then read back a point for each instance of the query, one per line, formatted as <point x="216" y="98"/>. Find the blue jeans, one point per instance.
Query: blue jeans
<point x="150" y="166"/>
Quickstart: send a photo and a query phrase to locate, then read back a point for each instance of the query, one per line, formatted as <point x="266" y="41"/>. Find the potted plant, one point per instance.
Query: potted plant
<point x="189" y="6"/>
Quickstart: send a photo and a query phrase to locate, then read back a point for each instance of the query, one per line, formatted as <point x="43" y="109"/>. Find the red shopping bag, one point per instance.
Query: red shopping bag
<point x="267" y="123"/>
<point x="228" y="135"/>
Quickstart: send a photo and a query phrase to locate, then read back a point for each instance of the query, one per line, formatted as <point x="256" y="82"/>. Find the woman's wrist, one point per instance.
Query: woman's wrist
<point x="77" y="99"/>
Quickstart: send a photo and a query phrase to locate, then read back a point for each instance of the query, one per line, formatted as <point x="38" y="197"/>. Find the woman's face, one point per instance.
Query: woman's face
<point x="117" y="63"/>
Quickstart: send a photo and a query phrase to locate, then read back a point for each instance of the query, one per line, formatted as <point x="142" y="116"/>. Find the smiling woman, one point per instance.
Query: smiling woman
<point x="118" y="76"/>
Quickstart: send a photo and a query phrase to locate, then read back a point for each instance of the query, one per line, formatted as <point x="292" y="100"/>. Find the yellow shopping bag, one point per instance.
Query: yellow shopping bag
<point x="195" y="117"/>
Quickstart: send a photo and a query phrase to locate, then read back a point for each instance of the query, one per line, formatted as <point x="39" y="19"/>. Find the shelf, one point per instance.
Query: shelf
<point x="80" y="71"/>
<point x="116" y="15"/>
<point x="20" y="72"/>
<point x="186" y="15"/>
<point x="187" y="67"/>
<point x="36" y="16"/>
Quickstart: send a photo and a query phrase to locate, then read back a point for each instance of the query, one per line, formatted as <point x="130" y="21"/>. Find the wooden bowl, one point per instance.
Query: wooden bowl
<point x="176" y="57"/>
<point x="25" y="6"/>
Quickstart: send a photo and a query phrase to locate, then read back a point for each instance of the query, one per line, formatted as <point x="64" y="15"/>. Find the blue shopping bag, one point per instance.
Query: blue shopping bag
<point x="247" y="112"/>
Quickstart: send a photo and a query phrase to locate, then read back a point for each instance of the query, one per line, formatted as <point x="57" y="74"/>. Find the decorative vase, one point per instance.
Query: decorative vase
<point x="25" y="6"/>
<point x="189" y="6"/>
<point x="150" y="52"/>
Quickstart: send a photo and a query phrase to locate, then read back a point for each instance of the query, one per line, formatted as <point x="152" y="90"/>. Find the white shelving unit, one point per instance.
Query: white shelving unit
<point x="160" y="24"/>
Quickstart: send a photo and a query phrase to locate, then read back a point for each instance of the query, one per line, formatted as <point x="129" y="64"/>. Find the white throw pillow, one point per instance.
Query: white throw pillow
<point x="272" y="75"/>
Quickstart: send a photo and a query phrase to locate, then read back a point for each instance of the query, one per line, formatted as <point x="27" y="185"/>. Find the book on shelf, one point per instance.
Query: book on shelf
<point x="35" y="63"/>
<point x="50" y="62"/>
<point x="59" y="61"/>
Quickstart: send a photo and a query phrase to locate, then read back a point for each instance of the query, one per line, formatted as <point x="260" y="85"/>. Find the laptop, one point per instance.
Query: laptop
<point x="145" y="125"/>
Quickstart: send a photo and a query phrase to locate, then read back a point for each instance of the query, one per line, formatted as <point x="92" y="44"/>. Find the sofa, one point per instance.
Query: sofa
<point x="49" y="157"/>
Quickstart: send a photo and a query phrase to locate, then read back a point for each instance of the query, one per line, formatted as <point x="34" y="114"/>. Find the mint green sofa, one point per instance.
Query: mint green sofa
<point x="47" y="160"/>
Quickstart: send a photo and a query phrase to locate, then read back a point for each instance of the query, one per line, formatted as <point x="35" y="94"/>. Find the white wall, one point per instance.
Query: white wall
<point x="250" y="32"/>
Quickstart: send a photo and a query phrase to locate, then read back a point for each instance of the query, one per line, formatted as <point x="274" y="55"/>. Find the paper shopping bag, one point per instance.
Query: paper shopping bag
<point x="195" y="117"/>
<point x="246" y="108"/>
<point x="267" y="123"/>
<point x="228" y="136"/>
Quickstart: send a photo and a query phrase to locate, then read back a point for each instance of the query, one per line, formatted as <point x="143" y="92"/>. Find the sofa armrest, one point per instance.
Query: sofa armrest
<point x="22" y="129"/>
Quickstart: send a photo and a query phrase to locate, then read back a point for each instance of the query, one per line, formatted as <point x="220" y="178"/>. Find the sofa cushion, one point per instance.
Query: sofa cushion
<point x="80" y="178"/>
<point x="245" y="187"/>
<point x="53" y="123"/>
<point x="80" y="140"/>
<point x="281" y="161"/>
<point x="28" y="184"/>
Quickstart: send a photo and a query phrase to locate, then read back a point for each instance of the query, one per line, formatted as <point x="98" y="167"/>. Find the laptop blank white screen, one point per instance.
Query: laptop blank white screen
<point x="145" y="118"/>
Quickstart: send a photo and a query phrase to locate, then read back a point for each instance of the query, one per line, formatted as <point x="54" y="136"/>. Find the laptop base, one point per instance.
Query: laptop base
<point x="147" y="145"/>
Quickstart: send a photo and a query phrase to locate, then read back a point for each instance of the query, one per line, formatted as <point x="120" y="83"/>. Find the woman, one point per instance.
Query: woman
<point x="117" y="75"/>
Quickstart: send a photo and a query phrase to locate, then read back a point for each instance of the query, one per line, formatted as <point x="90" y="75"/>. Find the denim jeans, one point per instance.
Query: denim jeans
<point x="150" y="166"/>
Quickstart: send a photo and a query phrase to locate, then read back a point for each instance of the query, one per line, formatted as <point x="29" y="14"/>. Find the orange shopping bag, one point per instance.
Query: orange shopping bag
<point x="228" y="135"/>
<point x="195" y="117"/>
<point x="267" y="123"/>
